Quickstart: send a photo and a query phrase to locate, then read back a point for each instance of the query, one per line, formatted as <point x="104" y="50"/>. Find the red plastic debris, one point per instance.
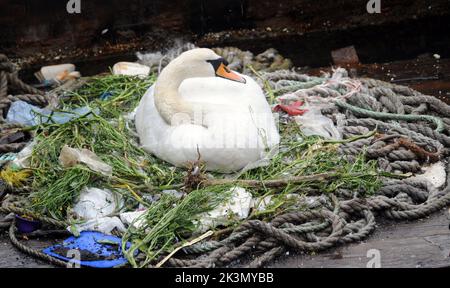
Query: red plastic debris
<point x="292" y="109"/>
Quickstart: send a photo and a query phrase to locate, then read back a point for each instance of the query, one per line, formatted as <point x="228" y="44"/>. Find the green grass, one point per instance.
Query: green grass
<point x="309" y="156"/>
<point x="124" y="93"/>
<point x="169" y="220"/>
<point x="54" y="186"/>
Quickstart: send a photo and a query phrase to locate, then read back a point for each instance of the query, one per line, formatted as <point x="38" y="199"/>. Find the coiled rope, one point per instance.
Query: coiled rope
<point x="10" y="83"/>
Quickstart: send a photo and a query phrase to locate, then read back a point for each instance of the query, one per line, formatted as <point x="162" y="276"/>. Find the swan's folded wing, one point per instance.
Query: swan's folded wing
<point x="234" y="136"/>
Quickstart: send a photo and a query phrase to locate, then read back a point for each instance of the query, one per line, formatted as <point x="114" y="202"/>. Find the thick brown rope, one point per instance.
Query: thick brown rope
<point x="9" y="80"/>
<point x="31" y="251"/>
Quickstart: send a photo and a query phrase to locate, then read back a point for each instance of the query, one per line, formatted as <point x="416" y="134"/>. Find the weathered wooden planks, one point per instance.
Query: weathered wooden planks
<point x="423" y="243"/>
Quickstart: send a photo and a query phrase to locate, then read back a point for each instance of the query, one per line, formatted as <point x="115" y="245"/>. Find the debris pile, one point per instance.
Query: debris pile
<point x="351" y="150"/>
<point x="270" y="60"/>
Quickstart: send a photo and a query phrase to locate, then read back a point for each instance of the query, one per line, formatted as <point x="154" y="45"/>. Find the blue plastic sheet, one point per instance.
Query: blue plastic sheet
<point x="96" y="243"/>
<point x="26" y="114"/>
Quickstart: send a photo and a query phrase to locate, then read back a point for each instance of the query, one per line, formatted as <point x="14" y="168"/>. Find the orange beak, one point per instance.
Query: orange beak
<point x="224" y="72"/>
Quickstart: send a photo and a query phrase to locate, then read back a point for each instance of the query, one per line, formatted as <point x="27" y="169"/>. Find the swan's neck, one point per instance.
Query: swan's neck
<point x="167" y="100"/>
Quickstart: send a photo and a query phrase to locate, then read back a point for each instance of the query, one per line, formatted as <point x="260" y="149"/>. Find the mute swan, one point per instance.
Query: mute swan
<point x="199" y="106"/>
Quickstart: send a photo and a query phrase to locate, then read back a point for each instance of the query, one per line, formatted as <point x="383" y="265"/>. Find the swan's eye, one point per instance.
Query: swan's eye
<point x="217" y="62"/>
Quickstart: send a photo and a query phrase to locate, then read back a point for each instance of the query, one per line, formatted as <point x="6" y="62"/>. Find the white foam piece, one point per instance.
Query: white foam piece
<point x="435" y="174"/>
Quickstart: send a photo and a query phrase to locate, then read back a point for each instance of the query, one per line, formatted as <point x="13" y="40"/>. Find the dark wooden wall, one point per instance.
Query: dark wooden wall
<point x="31" y="21"/>
<point x="403" y="29"/>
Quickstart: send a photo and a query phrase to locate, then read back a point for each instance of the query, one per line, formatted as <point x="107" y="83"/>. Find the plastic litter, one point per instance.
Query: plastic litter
<point x="435" y="174"/>
<point x="263" y="162"/>
<point x="131" y="69"/>
<point x="174" y="193"/>
<point x="105" y="225"/>
<point x="25" y="225"/>
<point x="236" y="208"/>
<point x="96" y="250"/>
<point x="261" y="204"/>
<point x="57" y="74"/>
<point x="131" y="218"/>
<point x="96" y="203"/>
<point x="157" y="60"/>
<point x="311" y="202"/>
<point x="26" y="114"/>
<point x="314" y="123"/>
<point x="22" y="159"/>
<point x="70" y="157"/>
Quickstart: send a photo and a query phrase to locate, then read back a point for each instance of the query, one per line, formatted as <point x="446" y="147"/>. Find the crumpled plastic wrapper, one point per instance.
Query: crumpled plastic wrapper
<point x="314" y="123"/>
<point x="133" y="218"/>
<point x="23" y="157"/>
<point x="236" y="208"/>
<point x="95" y="206"/>
<point x="70" y="157"/>
<point x="20" y="112"/>
<point x="96" y="203"/>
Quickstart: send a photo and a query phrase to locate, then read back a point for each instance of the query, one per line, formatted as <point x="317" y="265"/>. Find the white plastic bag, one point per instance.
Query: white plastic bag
<point x="129" y="218"/>
<point x="96" y="203"/>
<point x="314" y="123"/>
<point x="236" y="208"/>
<point x="23" y="157"/>
<point x="261" y="204"/>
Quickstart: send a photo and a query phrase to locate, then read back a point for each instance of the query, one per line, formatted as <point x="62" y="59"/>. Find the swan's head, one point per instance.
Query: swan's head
<point x="200" y="62"/>
<point x="194" y="63"/>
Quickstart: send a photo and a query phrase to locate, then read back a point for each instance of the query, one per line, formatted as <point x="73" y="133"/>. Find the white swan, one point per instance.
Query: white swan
<point x="198" y="106"/>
